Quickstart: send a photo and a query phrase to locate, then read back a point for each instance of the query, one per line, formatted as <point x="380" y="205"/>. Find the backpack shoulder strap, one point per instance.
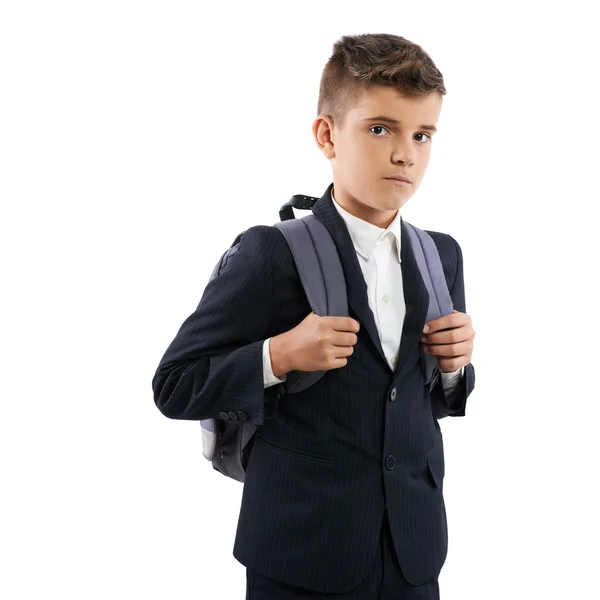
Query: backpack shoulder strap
<point x="320" y="270"/>
<point x="432" y="271"/>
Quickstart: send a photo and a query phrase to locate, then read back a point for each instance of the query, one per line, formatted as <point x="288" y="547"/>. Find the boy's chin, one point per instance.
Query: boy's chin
<point x="392" y="204"/>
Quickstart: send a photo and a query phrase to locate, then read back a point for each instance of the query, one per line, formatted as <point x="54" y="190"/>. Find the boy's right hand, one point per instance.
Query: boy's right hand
<point x="316" y="344"/>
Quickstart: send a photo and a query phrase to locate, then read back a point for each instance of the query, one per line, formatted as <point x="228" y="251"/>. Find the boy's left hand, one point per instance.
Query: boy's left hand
<point x="450" y="339"/>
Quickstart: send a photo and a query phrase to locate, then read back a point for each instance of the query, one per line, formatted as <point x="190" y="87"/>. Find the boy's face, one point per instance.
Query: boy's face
<point x="369" y="149"/>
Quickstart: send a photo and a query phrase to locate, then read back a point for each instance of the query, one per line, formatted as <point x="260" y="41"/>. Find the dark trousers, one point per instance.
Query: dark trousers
<point x="384" y="581"/>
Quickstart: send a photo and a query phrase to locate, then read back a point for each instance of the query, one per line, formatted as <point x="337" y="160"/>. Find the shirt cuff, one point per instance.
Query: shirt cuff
<point x="268" y="376"/>
<point x="451" y="380"/>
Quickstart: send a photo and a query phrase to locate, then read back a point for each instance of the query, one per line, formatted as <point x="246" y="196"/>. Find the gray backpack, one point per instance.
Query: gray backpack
<point x="227" y="444"/>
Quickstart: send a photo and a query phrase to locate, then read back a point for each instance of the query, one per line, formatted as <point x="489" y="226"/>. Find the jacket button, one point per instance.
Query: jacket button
<point x="390" y="462"/>
<point x="393" y="394"/>
<point x="223" y="415"/>
<point x="241" y="415"/>
<point x="232" y="415"/>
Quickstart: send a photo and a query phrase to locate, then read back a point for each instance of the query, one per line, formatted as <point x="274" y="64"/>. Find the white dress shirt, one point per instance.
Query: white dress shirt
<point x="378" y="252"/>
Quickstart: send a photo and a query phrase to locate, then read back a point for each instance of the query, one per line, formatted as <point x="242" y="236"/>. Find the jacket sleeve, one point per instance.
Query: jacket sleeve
<point x="214" y="366"/>
<point x="453" y="402"/>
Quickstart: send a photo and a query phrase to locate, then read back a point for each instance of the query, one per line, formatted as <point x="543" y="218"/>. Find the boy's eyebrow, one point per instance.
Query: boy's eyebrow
<point x="396" y="122"/>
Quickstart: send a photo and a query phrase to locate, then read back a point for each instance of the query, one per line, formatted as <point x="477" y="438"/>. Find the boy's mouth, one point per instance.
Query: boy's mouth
<point x="399" y="180"/>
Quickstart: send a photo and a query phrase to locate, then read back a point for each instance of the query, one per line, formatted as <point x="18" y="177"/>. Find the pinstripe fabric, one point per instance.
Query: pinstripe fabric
<point x="318" y="479"/>
<point x="384" y="581"/>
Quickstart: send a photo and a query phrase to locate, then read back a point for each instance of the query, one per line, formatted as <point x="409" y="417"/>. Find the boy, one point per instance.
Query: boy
<point x="343" y="491"/>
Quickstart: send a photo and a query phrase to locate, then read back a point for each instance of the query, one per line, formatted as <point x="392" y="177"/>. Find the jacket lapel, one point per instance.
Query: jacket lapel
<point x="415" y="293"/>
<point x="356" y="287"/>
<point x="416" y="298"/>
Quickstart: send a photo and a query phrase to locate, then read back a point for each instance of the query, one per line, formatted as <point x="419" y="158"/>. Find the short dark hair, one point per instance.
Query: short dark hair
<point x="359" y="62"/>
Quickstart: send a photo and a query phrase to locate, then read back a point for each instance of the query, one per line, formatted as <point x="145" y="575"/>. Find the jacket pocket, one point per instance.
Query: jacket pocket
<point x="306" y="456"/>
<point x="435" y="467"/>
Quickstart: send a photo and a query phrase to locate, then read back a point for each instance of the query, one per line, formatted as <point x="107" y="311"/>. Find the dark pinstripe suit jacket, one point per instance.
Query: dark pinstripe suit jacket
<point x="325" y="462"/>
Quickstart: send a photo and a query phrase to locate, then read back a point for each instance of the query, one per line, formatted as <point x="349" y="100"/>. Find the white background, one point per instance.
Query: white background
<point x="137" y="139"/>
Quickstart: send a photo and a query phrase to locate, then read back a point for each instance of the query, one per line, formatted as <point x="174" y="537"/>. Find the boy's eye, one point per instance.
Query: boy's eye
<point x="379" y="128"/>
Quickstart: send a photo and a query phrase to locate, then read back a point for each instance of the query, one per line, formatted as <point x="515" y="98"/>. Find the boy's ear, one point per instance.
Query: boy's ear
<point x="322" y="132"/>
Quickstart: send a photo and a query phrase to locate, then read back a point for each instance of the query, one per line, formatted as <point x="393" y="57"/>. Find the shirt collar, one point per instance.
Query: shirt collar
<point x="366" y="235"/>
